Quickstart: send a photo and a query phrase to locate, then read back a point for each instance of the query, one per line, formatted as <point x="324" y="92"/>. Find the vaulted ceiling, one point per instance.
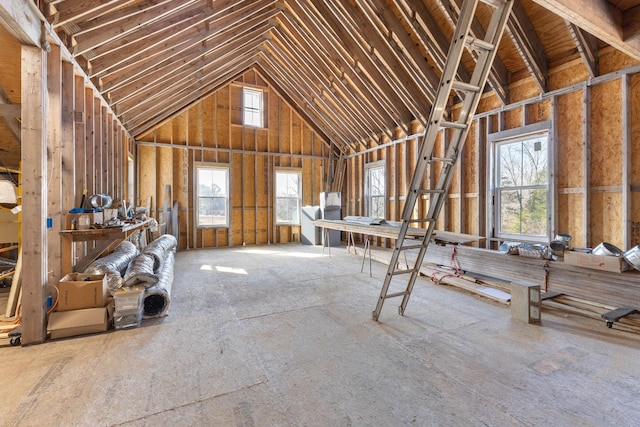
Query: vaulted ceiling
<point x="355" y="69"/>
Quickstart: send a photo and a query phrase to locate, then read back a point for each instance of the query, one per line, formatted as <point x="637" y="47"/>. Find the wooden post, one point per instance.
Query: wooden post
<point x="54" y="164"/>
<point x="34" y="193"/>
<point x="627" y="151"/>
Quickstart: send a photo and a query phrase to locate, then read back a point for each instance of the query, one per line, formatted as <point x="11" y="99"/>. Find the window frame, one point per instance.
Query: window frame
<point x="522" y="134"/>
<point x="227" y="198"/>
<point x="283" y="170"/>
<point x="259" y="111"/>
<point x="368" y="197"/>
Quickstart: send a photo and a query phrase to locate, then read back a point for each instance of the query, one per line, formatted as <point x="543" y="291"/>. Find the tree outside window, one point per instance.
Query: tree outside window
<point x="522" y="187"/>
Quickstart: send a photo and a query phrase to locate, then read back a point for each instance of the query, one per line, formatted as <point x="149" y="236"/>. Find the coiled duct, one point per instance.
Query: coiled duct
<point x="114" y="265"/>
<point x="141" y="271"/>
<point x="157" y="298"/>
<point x="158" y="248"/>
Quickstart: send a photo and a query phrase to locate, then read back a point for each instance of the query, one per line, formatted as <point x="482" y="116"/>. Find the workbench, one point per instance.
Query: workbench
<point x="391" y="231"/>
<point x="107" y="239"/>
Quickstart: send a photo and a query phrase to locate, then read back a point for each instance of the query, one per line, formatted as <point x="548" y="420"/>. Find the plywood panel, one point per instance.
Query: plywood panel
<point x="570" y="144"/>
<point x="235" y="104"/>
<point x="222" y="117"/>
<point x="570" y="218"/>
<point x="635" y="133"/>
<point x="606" y="218"/>
<point x="179" y="129"/>
<point x="471" y="178"/>
<point x="606" y="131"/>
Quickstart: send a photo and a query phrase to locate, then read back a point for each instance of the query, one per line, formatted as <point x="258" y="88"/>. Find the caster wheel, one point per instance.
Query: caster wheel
<point x="609" y="325"/>
<point x="15" y="341"/>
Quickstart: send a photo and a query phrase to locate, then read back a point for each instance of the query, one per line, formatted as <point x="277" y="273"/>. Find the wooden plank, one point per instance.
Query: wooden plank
<point x="627" y="149"/>
<point x="34" y="201"/>
<point x="54" y="161"/>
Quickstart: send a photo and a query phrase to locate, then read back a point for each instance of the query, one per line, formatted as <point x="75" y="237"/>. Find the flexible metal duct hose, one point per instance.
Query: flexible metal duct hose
<point x="141" y="271"/>
<point x="114" y="265"/>
<point x="158" y="248"/>
<point x="157" y="299"/>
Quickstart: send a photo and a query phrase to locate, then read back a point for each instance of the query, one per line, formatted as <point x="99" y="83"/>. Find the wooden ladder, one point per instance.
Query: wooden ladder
<point x="471" y="91"/>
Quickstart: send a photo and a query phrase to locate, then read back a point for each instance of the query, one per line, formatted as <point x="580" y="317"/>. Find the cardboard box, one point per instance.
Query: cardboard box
<point x="78" y="322"/>
<point x="596" y="262"/>
<point x="78" y="290"/>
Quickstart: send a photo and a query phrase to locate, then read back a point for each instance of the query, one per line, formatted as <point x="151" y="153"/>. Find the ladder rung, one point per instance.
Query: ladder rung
<point x="443" y="160"/>
<point x="431" y="191"/>
<point x="409" y="247"/>
<point x="397" y="294"/>
<point x="477" y="44"/>
<point x="398" y="272"/>
<point x="422" y="220"/>
<point x="466" y="87"/>
<point x="453" y="125"/>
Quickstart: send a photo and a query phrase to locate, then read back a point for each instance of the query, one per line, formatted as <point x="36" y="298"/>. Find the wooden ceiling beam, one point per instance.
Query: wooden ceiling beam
<point x="177" y="47"/>
<point x="349" y="68"/>
<point x="299" y="100"/>
<point x="110" y="55"/>
<point x="173" y="98"/>
<point x="308" y="82"/>
<point x="631" y="23"/>
<point x="153" y="16"/>
<point x="339" y="71"/>
<point x="597" y="17"/>
<point x="391" y="32"/>
<point x="273" y="86"/>
<point x="587" y="46"/>
<point x="361" y="59"/>
<point x="107" y="20"/>
<point x="344" y="102"/>
<point x="384" y="62"/>
<point x="498" y="76"/>
<point x="205" y="65"/>
<point x="81" y="10"/>
<point x="188" y="99"/>
<point x="529" y="45"/>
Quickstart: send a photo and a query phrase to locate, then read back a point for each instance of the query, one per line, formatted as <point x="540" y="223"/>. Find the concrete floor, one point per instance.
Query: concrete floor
<point x="280" y="335"/>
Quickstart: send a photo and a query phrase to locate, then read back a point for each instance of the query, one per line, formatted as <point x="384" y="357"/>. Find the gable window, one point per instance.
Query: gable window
<point x="374" y="190"/>
<point x="288" y="196"/>
<point x="253" y="107"/>
<point x="212" y="195"/>
<point x="522" y="187"/>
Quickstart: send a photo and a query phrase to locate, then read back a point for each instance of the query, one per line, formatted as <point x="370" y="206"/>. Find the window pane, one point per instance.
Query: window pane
<point x="377" y="207"/>
<point x="212" y="182"/>
<point x="377" y="182"/>
<point x="212" y="196"/>
<point x="287" y="211"/>
<point x="252" y="107"/>
<point x="510" y="164"/>
<point x="523" y="212"/>
<point x="534" y="162"/>
<point x="287" y="184"/>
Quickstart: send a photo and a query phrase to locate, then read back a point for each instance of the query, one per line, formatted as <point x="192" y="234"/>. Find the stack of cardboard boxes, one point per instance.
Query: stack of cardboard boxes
<point x="83" y="307"/>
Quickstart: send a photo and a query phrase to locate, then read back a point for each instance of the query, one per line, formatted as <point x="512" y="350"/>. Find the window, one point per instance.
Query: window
<point x="253" y="111"/>
<point x="521" y="189"/>
<point x="288" y="196"/>
<point x="212" y="194"/>
<point x="374" y="191"/>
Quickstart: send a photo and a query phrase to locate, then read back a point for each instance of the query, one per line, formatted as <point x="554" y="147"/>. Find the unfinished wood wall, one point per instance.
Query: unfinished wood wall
<point x="594" y="137"/>
<point x="212" y="131"/>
